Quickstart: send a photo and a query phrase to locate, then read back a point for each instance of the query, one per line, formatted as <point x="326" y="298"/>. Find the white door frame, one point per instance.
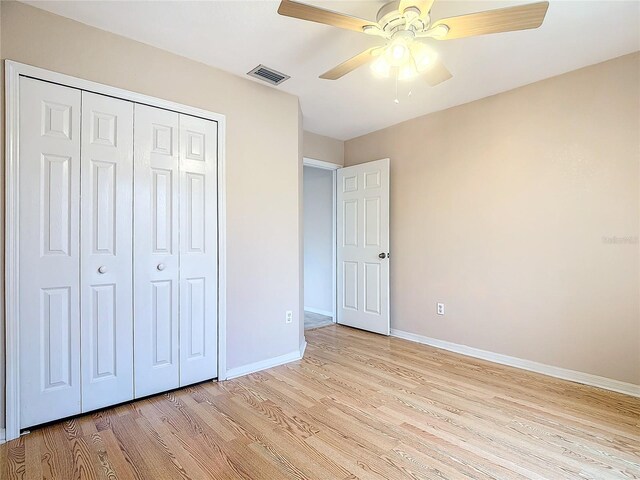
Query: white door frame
<point x="310" y="162"/>
<point x="13" y="71"/>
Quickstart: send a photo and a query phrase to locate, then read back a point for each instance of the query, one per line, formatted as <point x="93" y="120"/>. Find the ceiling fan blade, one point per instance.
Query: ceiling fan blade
<point x="437" y="73"/>
<point x="350" y="65"/>
<point x="303" y="11"/>
<point x="521" y="17"/>
<point x="423" y="5"/>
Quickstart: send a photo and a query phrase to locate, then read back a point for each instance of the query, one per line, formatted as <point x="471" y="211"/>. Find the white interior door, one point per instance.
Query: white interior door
<point x="198" y="250"/>
<point x="106" y="243"/>
<point x="49" y="256"/>
<point x="156" y="253"/>
<point x="363" y="246"/>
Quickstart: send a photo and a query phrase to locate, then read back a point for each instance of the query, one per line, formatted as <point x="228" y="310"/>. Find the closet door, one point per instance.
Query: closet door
<point x="106" y="242"/>
<point x="49" y="261"/>
<point x="156" y="253"/>
<point x="198" y="250"/>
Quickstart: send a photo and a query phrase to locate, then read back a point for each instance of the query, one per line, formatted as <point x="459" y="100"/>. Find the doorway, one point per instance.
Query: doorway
<point x="319" y="180"/>
<point x="346" y="281"/>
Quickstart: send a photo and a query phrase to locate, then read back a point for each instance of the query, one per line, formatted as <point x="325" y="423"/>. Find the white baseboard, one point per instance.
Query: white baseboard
<point x="326" y="313"/>
<point x="303" y="347"/>
<point x="268" y="363"/>
<point x="3" y="437"/>
<point x="557" y="372"/>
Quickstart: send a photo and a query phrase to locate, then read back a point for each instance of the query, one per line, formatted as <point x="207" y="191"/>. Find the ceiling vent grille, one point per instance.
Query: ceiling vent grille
<point x="268" y="75"/>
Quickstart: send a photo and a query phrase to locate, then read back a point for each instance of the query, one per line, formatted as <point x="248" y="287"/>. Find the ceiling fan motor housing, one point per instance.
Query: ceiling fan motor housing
<point x="392" y="20"/>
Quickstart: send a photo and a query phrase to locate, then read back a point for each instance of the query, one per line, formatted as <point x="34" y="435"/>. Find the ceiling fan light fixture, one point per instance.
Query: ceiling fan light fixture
<point x="397" y="53"/>
<point x="423" y="56"/>
<point x="407" y="59"/>
<point x="407" y="71"/>
<point x="381" y="67"/>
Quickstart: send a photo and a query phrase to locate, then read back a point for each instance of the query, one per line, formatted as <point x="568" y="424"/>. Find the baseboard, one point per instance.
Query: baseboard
<point x="303" y="347"/>
<point x="3" y="437"/>
<point x="264" y="364"/>
<point x="326" y="313"/>
<point x="557" y="372"/>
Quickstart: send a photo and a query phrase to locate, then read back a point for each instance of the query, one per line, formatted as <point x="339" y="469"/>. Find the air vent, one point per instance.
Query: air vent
<point x="268" y="75"/>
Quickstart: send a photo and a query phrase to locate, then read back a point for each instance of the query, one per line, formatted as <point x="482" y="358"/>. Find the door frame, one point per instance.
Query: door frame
<point x="13" y="72"/>
<point x="333" y="167"/>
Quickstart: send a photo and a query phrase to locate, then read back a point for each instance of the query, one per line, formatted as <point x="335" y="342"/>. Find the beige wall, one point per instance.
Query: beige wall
<point x="263" y="162"/>
<point x="323" y="148"/>
<point x="505" y="209"/>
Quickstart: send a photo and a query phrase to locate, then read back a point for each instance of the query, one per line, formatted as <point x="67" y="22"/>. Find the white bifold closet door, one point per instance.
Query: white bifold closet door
<point x="156" y="255"/>
<point x="106" y="294"/>
<point x="198" y="250"/>
<point x="175" y="250"/>
<point x="118" y="258"/>
<point x="76" y="323"/>
<point x="49" y="258"/>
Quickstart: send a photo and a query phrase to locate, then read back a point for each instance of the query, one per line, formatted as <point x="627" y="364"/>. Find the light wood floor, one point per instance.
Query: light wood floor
<point x="358" y="406"/>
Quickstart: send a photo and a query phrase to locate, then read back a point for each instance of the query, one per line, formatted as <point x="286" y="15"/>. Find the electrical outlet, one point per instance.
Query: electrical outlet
<point x="441" y="309"/>
<point x="289" y="316"/>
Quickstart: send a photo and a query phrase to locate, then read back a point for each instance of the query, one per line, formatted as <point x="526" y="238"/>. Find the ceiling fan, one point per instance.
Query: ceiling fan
<point x="404" y="24"/>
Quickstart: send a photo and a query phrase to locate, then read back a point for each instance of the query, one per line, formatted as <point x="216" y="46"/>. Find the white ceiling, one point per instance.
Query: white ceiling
<point x="237" y="35"/>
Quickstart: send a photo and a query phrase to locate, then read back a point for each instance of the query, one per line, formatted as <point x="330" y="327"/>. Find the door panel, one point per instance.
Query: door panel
<point x="49" y="262"/>
<point x="106" y="245"/>
<point x="372" y="292"/>
<point x="198" y="250"/>
<point x="156" y="253"/>
<point x="162" y="322"/>
<point x="372" y="226"/>
<point x="363" y="234"/>
<point x="102" y="361"/>
<point x="350" y="223"/>
<point x="56" y="204"/>
<point x="196" y="213"/>
<point x="56" y="325"/>
<point x="195" y="311"/>
<point x="162" y="200"/>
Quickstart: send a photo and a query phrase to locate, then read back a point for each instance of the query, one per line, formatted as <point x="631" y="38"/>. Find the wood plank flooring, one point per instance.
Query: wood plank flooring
<point x="358" y="405"/>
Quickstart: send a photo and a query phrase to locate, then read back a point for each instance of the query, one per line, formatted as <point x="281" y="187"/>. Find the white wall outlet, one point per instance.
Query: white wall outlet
<point x="289" y="316"/>
<point x="441" y="309"/>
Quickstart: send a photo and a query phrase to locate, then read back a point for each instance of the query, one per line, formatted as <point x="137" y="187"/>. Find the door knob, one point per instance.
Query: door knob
<point x="102" y="269"/>
<point x="382" y="255"/>
<point x="161" y="266"/>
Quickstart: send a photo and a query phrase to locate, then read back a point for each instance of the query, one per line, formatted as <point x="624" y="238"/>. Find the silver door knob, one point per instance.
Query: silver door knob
<point x="161" y="266"/>
<point x="102" y="269"/>
<point x="382" y="255"/>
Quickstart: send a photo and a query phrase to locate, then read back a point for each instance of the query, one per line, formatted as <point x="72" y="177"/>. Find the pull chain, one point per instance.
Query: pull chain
<point x="396" y="101"/>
